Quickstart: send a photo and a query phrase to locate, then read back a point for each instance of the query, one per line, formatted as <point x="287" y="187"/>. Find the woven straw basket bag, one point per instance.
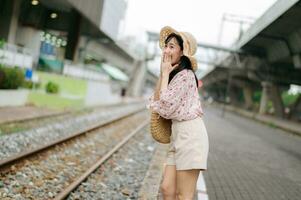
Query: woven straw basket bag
<point x="160" y="128"/>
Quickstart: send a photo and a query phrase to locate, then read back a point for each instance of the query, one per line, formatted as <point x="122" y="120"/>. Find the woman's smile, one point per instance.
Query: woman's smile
<point x="173" y="49"/>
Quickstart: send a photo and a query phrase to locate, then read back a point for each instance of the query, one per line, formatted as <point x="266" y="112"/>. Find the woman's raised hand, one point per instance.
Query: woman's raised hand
<point x="166" y="66"/>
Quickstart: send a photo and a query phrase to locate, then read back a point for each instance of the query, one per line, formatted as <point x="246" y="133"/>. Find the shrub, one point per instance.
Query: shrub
<point x="1" y="76"/>
<point x="2" y="43"/>
<point x="29" y="84"/>
<point x="11" y="78"/>
<point x="52" y="87"/>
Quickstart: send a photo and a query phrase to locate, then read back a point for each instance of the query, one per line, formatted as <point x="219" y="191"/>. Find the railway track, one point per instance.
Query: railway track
<point x="55" y="170"/>
<point x="38" y="138"/>
<point x="119" y="174"/>
<point x="20" y="124"/>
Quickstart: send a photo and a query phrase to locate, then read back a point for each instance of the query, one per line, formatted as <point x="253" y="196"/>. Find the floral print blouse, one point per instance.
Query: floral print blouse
<point x="180" y="100"/>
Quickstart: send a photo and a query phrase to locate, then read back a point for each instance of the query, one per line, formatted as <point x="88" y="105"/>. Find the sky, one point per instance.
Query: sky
<point x="202" y="18"/>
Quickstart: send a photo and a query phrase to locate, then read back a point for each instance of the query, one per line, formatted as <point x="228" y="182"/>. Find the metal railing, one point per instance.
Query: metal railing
<point x="12" y="55"/>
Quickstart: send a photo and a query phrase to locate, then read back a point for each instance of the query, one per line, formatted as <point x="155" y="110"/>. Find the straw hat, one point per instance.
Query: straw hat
<point x="189" y="44"/>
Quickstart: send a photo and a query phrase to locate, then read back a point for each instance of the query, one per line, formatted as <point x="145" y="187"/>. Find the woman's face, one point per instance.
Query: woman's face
<point x="173" y="49"/>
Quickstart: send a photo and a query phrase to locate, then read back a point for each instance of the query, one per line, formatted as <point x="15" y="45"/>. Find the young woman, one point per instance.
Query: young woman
<point x="176" y="97"/>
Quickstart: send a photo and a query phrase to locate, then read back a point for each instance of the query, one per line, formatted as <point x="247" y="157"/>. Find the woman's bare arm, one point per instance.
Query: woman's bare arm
<point x="157" y="89"/>
<point x="164" y="82"/>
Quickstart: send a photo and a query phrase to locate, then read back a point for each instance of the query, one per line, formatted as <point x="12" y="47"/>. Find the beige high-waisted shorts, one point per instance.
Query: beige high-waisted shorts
<point x="189" y="145"/>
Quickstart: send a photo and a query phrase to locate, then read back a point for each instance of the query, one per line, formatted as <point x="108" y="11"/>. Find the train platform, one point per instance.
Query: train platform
<point x="109" y="154"/>
<point x="248" y="160"/>
<point x="19" y="113"/>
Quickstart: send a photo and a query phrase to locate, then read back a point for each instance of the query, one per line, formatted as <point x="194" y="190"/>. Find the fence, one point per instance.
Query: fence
<point x="12" y="55"/>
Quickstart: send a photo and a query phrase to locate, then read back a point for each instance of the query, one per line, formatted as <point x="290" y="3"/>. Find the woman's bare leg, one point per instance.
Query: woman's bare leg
<point x="168" y="185"/>
<point x="186" y="183"/>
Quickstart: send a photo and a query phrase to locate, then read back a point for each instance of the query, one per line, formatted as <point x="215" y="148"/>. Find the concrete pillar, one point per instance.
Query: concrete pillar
<point x="234" y="95"/>
<point x="248" y="94"/>
<point x="277" y="101"/>
<point x="14" y="22"/>
<point x="297" y="61"/>
<point x="264" y="99"/>
<point x="29" y="37"/>
<point x="9" y="15"/>
<point x="73" y="36"/>
<point x="220" y="93"/>
<point x="216" y="95"/>
<point x="137" y="79"/>
<point x="295" y="113"/>
<point x="271" y="92"/>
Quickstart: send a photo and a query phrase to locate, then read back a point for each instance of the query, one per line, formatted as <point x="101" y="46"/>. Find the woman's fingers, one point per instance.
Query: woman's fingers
<point x="175" y="66"/>
<point x="167" y="58"/>
<point x="162" y="56"/>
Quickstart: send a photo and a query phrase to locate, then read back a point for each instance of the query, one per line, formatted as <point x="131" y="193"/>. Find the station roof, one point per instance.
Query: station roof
<point x="114" y="72"/>
<point x="92" y="27"/>
<point x="277" y="31"/>
<point x="275" y="37"/>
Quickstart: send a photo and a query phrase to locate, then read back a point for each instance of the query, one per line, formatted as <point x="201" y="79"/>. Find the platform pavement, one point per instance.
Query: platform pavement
<point x="12" y="114"/>
<point x="288" y="125"/>
<point x="248" y="160"/>
<point x="18" y="113"/>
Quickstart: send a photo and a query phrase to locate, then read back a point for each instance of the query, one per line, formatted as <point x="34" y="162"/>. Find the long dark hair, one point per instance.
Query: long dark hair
<point x="184" y="61"/>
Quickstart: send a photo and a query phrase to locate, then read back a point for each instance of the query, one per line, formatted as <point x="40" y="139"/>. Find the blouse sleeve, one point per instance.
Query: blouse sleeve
<point x="171" y="97"/>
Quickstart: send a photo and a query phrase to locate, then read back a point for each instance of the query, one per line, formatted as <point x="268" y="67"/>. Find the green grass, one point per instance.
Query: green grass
<point x="289" y="99"/>
<point x="54" y="101"/>
<point x="10" y="128"/>
<point x="67" y="85"/>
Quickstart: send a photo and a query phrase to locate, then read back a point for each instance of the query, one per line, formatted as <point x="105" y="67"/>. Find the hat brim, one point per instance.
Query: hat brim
<point x="164" y="33"/>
